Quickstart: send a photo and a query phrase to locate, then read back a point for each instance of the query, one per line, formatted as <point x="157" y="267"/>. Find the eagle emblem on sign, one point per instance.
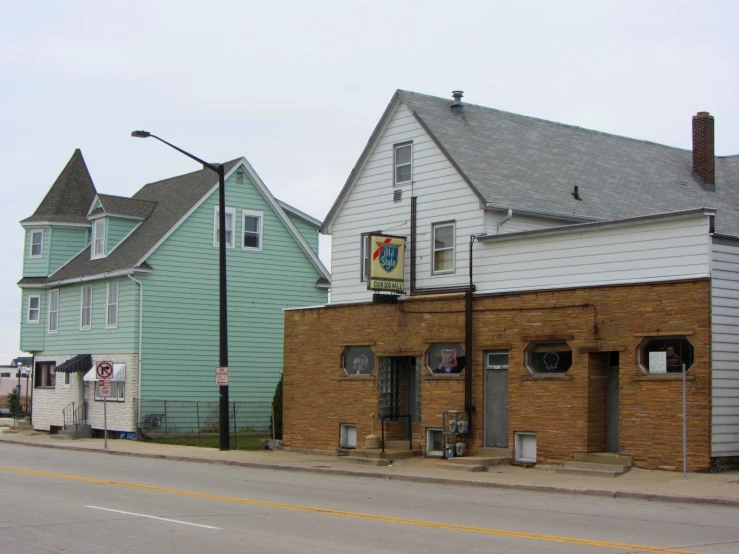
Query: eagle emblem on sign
<point x="389" y="257"/>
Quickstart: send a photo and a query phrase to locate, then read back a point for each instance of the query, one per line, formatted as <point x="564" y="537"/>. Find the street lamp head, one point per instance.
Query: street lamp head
<point x="141" y="134"/>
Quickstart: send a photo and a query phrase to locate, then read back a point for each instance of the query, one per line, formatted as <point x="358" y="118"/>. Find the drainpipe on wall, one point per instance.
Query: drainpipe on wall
<point x="468" y="341"/>
<point x="508" y="216"/>
<point x="141" y="328"/>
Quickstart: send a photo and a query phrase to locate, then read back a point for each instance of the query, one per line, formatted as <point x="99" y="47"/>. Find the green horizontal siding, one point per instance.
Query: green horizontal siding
<point x="70" y="339"/>
<point x="36" y="267"/>
<point x="181" y="315"/>
<point x="117" y="229"/>
<point x="32" y="335"/>
<point x="66" y="243"/>
<point x="307" y="230"/>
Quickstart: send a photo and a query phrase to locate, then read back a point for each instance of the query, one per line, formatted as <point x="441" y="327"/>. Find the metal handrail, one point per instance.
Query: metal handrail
<point x="69" y="416"/>
<point x="80" y="415"/>
<point x="410" y="430"/>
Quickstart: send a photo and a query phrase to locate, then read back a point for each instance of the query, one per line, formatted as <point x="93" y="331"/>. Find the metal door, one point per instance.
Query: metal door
<point x="496" y="399"/>
<point x="612" y="421"/>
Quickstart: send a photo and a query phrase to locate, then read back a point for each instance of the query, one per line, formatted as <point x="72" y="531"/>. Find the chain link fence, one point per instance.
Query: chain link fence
<point x="180" y="418"/>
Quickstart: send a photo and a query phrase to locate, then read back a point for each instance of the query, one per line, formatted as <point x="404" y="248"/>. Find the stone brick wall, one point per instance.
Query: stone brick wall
<point x="565" y="411"/>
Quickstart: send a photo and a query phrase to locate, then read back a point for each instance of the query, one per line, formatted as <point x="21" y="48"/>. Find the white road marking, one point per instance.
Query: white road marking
<point x="155" y="517"/>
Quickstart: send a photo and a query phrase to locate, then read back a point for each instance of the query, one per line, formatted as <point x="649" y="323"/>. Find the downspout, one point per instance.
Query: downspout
<point x="468" y="341"/>
<point x="413" y="244"/>
<point x="508" y="216"/>
<point x="141" y="328"/>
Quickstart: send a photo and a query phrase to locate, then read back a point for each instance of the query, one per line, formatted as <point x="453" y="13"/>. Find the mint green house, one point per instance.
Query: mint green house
<point x="134" y="281"/>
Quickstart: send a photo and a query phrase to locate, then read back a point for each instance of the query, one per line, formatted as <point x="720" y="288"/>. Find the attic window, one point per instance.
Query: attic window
<point x="240" y="177"/>
<point x="403" y="163"/>
<point x="98" y="238"/>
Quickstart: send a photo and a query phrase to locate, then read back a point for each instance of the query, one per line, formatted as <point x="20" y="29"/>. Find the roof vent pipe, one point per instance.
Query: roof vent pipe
<point x="704" y="159"/>
<point x="457" y="104"/>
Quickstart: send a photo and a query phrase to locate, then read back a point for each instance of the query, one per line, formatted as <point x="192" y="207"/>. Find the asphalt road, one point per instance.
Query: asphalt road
<point x="54" y="501"/>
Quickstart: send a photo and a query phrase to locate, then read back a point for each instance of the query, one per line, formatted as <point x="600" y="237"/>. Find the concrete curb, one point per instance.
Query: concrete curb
<point x="407" y="478"/>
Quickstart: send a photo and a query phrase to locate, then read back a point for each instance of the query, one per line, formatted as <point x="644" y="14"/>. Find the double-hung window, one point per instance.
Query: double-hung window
<point x="53" y="311"/>
<point x="86" y="308"/>
<point x="34" y="309"/>
<point x="230" y="219"/>
<point x="37" y="243"/>
<point x="403" y="163"/>
<point x="252" y="223"/>
<point x="111" y="318"/>
<point x="98" y="238"/>
<point x="443" y="247"/>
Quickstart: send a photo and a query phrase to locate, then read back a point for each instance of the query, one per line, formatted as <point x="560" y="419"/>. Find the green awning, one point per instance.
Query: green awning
<point x="81" y="362"/>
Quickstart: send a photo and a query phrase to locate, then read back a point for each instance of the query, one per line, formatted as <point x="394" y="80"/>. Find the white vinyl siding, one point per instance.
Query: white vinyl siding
<point x="86" y="308"/>
<point x="230" y="226"/>
<point x="98" y="238"/>
<point x="111" y="316"/>
<point x="251" y="230"/>
<point x="725" y="346"/>
<point x="517" y="223"/>
<point x="37" y="243"/>
<point x="442" y="196"/>
<point x="53" y="311"/>
<point x="648" y="252"/>
<point x="34" y="309"/>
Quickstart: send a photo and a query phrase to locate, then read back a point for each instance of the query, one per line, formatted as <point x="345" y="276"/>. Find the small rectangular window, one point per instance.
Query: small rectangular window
<point x="98" y="238"/>
<point x="403" y="163"/>
<point x="230" y="217"/>
<point x="86" y="308"/>
<point x="43" y="376"/>
<point x="53" y="311"/>
<point x="364" y="263"/>
<point x="111" y="319"/>
<point x="67" y="379"/>
<point x="34" y="309"/>
<point x="37" y="243"/>
<point x="252" y="223"/>
<point x="443" y="247"/>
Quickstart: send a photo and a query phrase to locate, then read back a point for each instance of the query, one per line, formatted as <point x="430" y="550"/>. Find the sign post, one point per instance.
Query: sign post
<point x="104" y="372"/>
<point x="685" y="431"/>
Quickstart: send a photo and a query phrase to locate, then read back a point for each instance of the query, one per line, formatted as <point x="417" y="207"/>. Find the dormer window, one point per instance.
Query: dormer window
<point x="98" y="238"/>
<point x="37" y="243"/>
<point x="403" y="163"/>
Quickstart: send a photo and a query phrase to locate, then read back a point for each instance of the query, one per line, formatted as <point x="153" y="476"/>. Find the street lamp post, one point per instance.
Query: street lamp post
<point x="18" y="406"/>
<point x="223" y="321"/>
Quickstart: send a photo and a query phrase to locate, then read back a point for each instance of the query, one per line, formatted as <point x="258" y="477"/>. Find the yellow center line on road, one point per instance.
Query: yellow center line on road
<point x="359" y="515"/>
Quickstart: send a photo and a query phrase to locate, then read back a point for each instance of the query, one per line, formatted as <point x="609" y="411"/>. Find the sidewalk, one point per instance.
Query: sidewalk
<point x="718" y="488"/>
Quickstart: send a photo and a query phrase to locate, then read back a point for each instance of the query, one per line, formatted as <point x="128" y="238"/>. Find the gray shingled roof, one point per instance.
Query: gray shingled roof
<point x="120" y="205"/>
<point x="522" y="162"/>
<point x="69" y="197"/>
<point x="173" y="198"/>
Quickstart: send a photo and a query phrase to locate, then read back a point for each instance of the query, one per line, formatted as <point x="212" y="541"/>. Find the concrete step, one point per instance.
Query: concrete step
<point x="597" y="467"/>
<point x="480" y="460"/>
<point x="604" y="458"/>
<point x="399" y="445"/>
<point x="462" y="467"/>
<point x="365" y="461"/>
<point x="588" y="472"/>
<point x="388" y="455"/>
<point x="61" y="437"/>
<point x="491" y="452"/>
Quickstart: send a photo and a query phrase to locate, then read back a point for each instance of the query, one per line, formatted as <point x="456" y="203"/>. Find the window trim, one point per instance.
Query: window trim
<point x="490" y="366"/>
<point x="358" y="375"/>
<point x="67" y="383"/>
<point x="396" y="147"/>
<point x="260" y="231"/>
<point x="98" y="237"/>
<point x="38" y="310"/>
<point x="643" y="364"/>
<point x="453" y="248"/>
<point x="364" y="257"/>
<point x="84" y="327"/>
<point x="53" y="293"/>
<point x="108" y="304"/>
<point x="34" y="232"/>
<point x="547" y="374"/>
<point x="229" y="212"/>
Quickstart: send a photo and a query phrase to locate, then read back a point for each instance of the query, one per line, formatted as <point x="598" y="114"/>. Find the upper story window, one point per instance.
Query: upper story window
<point x="34" y="309"/>
<point x="111" y="318"/>
<point x="403" y="163"/>
<point x="37" y="243"/>
<point x="443" y="247"/>
<point x="660" y="355"/>
<point x="98" y="238"/>
<point x="53" y="311"/>
<point x="252" y="229"/>
<point x="86" y="307"/>
<point x="364" y="259"/>
<point x="230" y="218"/>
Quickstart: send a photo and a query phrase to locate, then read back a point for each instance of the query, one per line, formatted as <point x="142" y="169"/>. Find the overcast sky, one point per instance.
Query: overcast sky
<point x="297" y="87"/>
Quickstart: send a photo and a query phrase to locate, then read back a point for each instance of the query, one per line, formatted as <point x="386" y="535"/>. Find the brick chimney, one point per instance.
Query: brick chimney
<point x="704" y="159"/>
